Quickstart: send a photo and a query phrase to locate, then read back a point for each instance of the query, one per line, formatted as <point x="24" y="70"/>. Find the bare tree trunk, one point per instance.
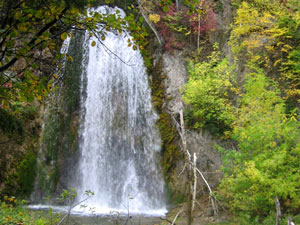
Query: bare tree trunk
<point x="290" y="222"/>
<point x="191" y="173"/>
<point x="278" y="211"/>
<point x="188" y="171"/>
<point x="177" y="5"/>
<point x="198" y="39"/>
<point x="195" y="182"/>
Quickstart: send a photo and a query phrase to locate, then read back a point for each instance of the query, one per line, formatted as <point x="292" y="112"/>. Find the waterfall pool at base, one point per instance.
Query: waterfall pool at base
<point x="103" y="216"/>
<point x="99" y="211"/>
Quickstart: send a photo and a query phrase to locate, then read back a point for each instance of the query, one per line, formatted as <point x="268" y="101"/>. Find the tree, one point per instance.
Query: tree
<point x="265" y="164"/>
<point x="31" y="33"/>
<point x="209" y="91"/>
<point x="267" y="33"/>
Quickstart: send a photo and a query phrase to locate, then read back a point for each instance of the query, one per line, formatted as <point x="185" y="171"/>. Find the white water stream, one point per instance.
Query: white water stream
<point x="119" y="141"/>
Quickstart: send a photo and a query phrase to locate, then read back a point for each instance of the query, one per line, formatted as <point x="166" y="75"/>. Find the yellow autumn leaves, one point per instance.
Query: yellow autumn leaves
<point x="154" y="18"/>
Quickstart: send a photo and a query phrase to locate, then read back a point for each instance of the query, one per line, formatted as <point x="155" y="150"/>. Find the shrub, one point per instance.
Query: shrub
<point x="267" y="161"/>
<point x="209" y="92"/>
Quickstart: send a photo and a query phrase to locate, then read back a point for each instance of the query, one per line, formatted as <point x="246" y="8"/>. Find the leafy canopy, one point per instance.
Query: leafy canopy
<point x="266" y="163"/>
<point x="31" y="33"/>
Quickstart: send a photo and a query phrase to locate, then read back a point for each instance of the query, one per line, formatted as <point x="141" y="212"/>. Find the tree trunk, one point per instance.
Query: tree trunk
<point x="189" y="174"/>
<point x="278" y="211"/>
<point x="199" y="27"/>
<point x="195" y="182"/>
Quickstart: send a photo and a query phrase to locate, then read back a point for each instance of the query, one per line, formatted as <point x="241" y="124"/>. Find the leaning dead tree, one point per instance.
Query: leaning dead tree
<point x="192" y="171"/>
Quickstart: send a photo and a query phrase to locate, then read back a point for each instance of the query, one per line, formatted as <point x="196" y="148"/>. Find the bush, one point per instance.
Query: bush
<point x="209" y="91"/>
<point x="14" y="212"/>
<point x="267" y="162"/>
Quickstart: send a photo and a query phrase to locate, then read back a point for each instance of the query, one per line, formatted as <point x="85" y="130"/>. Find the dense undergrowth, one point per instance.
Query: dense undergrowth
<point x="13" y="212"/>
<point x="255" y="104"/>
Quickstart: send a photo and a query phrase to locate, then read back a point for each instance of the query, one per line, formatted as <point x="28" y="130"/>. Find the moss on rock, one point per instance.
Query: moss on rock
<point x="170" y="151"/>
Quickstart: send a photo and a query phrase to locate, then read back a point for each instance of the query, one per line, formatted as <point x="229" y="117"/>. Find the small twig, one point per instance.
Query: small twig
<point x="70" y="209"/>
<point x="182" y="170"/>
<point x="110" y="51"/>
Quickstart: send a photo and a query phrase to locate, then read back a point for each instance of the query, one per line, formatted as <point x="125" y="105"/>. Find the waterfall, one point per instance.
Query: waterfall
<point x="119" y="142"/>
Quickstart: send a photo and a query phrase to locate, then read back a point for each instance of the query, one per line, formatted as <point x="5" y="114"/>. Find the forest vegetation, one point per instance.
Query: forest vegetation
<point x="250" y="97"/>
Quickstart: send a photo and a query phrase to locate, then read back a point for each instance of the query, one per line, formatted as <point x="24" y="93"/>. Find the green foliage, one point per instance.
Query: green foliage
<point x="209" y="91"/>
<point x="267" y="160"/>
<point x="267" y="33"/>
<point x="33" y="29"/>
<point x="68" y="196"/>
<point x="13" y="212"/>
<point x="290" y="72"/>
<point x="247" y="220"/>
<point x="26" y="172"/>
<point x="10" y="124"/>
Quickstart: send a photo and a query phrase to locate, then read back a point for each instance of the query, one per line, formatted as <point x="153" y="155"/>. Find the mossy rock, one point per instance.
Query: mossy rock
<point x="170" y="151"/>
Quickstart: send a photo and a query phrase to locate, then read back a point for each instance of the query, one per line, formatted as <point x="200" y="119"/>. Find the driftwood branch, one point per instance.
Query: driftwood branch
<point x="198" y="36"/>
<point x="192" y="171"/>
<point x="180" y="172"/>
<point x="177" y="5"/>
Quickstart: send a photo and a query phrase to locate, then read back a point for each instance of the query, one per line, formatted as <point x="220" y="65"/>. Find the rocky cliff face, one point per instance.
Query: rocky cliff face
<point x="58" y="144"/>
<point x="18" y="154"/>
<point x="199" y="142"/>
<point x="19" y="135"/>
<point x="173" y="72"/>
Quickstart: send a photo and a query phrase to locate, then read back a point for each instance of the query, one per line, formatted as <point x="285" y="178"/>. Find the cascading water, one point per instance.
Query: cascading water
<point x="119" y="141"/>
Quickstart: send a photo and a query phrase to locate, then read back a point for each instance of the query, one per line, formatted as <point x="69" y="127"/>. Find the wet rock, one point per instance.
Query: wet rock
<point x="209" y="212"/>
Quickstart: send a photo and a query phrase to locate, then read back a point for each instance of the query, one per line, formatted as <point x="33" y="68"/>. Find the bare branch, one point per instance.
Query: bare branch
<point x="182" y="170"/>
<point x="211" y="197"/>
<point x="175" y="218"/>
<point x="36" y="36"/>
